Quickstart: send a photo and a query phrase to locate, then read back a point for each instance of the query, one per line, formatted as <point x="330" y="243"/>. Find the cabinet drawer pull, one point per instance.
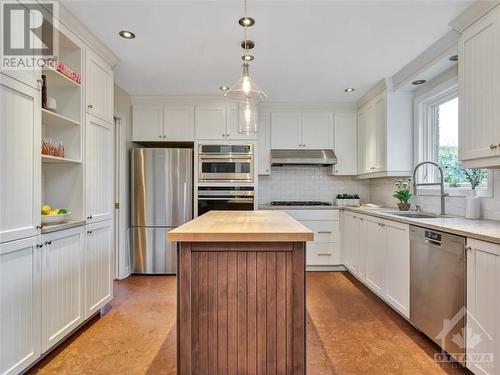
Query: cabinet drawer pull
<point x="90" y="106"/>
<point x="89" y="232"/>
<point x="48" y="242"/>
<point x="39" y="245"/>
<point x="324" y="255"/>
<point x="492" y="147"/>
<point x="325" y="231"/>
<point x="39" y="226"/>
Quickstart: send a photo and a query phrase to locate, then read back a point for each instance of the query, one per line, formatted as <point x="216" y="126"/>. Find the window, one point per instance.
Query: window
<point x="436" y="137"/>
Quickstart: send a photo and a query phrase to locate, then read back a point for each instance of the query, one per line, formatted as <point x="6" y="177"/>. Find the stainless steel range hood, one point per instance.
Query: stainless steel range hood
<point x="303" y="157"/>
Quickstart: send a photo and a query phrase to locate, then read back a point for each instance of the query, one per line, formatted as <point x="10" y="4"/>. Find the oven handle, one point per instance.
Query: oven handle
<point x="231" y="200"/>
<point x="226" y="157"/>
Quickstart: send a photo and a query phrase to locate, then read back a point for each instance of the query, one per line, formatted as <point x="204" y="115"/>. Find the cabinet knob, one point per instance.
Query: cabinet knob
<point x="164" y="136"/>
<point x="89" y="232"/>
<point x="90" y="106"/>
<point x="160" y="136"/>
<point x="223" y="135"/>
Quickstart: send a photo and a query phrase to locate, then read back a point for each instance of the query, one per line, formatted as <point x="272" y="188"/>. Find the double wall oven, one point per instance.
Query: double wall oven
<point x="225" y="177"/>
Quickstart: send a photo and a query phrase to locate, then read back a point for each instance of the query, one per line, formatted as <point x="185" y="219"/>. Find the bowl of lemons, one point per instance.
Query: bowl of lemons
<point x="53" y="215"/>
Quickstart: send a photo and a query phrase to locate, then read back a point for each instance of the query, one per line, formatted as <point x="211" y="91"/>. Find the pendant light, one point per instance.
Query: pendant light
<point x="245" y="91"/>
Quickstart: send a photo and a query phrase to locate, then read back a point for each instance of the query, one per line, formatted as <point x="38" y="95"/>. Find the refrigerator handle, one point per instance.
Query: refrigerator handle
<point x="185" y="202"/>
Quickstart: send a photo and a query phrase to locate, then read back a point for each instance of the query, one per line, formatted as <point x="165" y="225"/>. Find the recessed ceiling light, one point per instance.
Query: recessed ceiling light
<point x="224" y="88"/>
<point x="349" y="89"/>
<point x="418" y="82"/>
<point x="246" y="21"/>
<point x="454" y="58"/>
<point x="127" y="34"/>
<point x="247" y="58"/>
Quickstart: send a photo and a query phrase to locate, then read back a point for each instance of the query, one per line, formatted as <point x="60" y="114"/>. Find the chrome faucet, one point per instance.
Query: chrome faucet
<point x="441" y="183"/>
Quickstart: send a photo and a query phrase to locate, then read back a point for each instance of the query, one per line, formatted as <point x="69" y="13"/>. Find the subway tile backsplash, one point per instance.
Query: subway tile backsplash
<point x="314" y="183"/>
<point x="308" y="183"/>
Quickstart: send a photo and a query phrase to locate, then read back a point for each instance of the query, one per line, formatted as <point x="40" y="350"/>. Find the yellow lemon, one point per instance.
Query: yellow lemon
<point x="46" y="209"/>
<point x="53" y="212"/>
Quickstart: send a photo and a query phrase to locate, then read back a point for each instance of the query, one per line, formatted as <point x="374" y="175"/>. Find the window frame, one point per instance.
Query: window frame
<point x="426" y="139"/>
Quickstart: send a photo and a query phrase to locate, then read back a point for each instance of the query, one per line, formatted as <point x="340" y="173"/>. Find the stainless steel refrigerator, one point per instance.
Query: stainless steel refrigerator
<point x="162" y="199"/>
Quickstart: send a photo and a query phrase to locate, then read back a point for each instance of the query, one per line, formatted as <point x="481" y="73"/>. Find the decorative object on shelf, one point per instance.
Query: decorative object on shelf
<point x="245" y="91"/>
<point x="44" y="91"/>
<point x="53" y="215"/>
<point x="403" y="194"/>
<point x="51" y="104"/>
<point x="64" y="70"/>
<point x="472" y="202"/>
<point x="52" y="148"/>
<point x="348" y="200"/>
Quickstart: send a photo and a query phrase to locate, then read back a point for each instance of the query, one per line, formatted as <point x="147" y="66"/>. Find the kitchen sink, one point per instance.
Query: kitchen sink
<point x="415" y="215"/>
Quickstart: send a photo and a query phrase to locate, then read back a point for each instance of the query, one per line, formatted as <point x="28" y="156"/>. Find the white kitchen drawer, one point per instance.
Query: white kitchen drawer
<point x="301" y="215"/>
<point x="322" y="254"/>
<point x="324" y="231"/>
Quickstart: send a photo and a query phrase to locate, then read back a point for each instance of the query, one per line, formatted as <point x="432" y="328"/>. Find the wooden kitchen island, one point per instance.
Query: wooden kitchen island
<point x="241" y="294"/>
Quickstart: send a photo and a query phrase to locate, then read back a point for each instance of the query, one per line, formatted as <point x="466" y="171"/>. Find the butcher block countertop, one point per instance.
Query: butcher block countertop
<point x="242" y="226"/>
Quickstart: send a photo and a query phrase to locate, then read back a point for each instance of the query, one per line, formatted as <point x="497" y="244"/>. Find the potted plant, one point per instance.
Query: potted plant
<point x="340" y="201"/>
<point x="403" y="194"/>
<point x="357" y="200"/>
<point x="472" y="204"/>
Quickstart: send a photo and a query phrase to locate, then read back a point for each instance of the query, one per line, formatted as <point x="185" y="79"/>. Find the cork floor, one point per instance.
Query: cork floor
<point x="349" y="331"/>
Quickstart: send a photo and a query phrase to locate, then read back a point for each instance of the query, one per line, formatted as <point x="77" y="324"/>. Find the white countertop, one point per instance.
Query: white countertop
<point x="485" y="230"/>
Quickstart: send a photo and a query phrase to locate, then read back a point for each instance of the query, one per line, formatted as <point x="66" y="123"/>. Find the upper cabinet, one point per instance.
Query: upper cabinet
<point x="345" y="144"/>
<point x="264" y="146"/>
<point x="301" y="130"/>
<point x="479" y="92"/>
<point x="20" y="169"/>
<point x="99" y="87"/>
<point x="210" y="122"/>
<point x="178" y="122"/>
<point x="385" y="140"/>
<point x="147" y="123"/>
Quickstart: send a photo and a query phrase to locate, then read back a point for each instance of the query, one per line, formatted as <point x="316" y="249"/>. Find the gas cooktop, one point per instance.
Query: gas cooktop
<point x="299" y="203"/>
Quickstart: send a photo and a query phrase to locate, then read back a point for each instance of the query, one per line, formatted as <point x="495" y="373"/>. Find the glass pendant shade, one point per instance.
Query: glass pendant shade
<point x="245" y="88"/>
<point x="248" y="116"/>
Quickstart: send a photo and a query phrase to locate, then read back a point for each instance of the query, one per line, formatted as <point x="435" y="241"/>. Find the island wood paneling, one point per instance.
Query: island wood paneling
<point x="241" y="308"/>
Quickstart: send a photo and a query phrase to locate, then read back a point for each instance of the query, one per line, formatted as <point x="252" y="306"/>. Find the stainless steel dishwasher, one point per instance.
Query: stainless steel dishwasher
<point x="437" y="286"/>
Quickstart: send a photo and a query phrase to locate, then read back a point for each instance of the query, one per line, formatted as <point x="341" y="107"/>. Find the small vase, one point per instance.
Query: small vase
<point x="404" y="206"/>
<point x="472" y="206"/>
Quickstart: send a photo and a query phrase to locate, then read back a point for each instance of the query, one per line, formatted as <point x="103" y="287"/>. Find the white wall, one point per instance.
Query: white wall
<point x="308" y="183"/>
<point x="381" y="191"/>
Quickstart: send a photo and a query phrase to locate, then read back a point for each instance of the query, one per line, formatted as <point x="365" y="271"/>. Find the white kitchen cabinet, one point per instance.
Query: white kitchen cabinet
<point x="233" y="124"/>
<point x="264" y="145"/>
<point x="20" y="311"/>
<point x="306" y="130"/>
<point x="351" y="241"/>
<point x="98" y="266"/>
<point x="99" y="87"/>
<point x="483" y="306"/>
<point x="345" y="144"/>
<point x="62" y="284"/>
<point x="285" y="130"/>
<point x="98" y="170"/>
<point x="377" y="252"/>
<point x="375" y="247"/>
<point x="317" y="130"/>
<point x="178" y="123"/>
<point x="385" y="140"/>
<point x="210" y="122"/>
<point x="147" y="123"/>
<point x="20" y="167"/>
<point x="479" y="92"/>
<point x="397" y="266"/>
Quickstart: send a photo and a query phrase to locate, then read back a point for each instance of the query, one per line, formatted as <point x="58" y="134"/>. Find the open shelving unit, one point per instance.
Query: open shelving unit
<point x="62" y="177"/>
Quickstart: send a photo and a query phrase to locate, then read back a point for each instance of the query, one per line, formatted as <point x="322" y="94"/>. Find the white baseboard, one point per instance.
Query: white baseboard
<point x="336" y="268"/>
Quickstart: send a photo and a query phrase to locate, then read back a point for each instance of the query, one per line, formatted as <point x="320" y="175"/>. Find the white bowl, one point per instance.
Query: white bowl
<point x="54" y="219"/>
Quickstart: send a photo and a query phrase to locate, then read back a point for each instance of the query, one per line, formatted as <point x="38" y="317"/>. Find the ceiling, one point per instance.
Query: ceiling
<point x="306" y="51"/>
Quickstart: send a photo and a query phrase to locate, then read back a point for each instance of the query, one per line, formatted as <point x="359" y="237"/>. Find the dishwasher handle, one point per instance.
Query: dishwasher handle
<point x="432" y="242"/>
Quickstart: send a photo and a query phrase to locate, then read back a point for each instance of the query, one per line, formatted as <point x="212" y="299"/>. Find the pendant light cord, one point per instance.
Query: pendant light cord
<point x="245" y="25"/>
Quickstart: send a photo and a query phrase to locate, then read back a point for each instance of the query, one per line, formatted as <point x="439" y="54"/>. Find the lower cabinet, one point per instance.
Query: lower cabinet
<point x="98" y="266"/>
<point x="325" y="249"/>
<point x="62" y="284"/>
<point x="377" y="252"/>
<point x="20" y="311"/>
<point x="483" y="307"/>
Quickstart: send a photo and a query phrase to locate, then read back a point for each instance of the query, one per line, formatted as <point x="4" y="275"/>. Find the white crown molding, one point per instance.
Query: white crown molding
<point x="443" y="48"/>
<point x="382" y="85"/>
<point x="475" y="11"/>
<point x="69" y="20"/>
